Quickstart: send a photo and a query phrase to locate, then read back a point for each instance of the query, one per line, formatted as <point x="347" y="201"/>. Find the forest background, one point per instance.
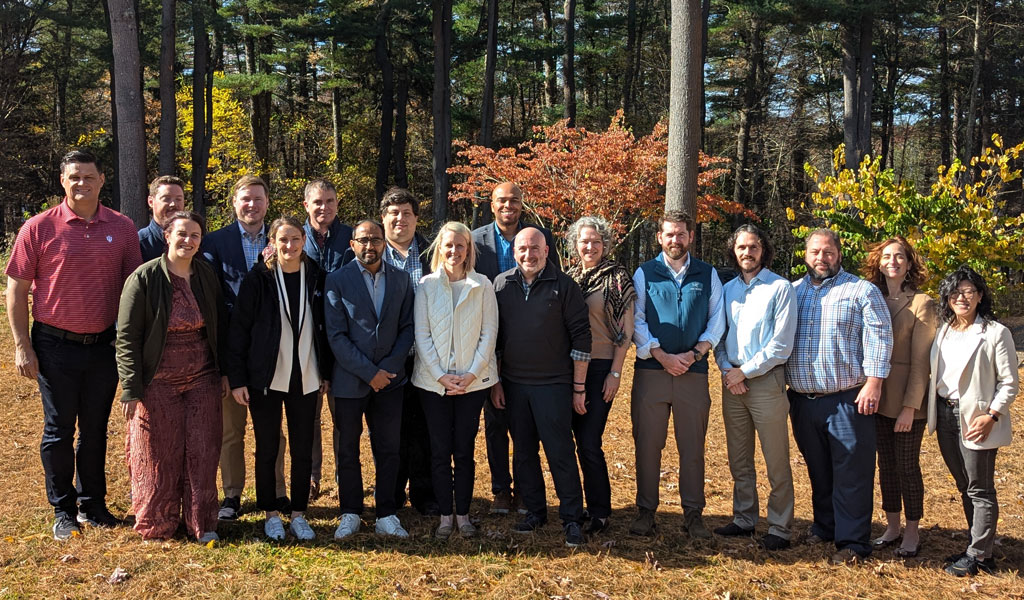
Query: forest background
<point x="446" y="96"/>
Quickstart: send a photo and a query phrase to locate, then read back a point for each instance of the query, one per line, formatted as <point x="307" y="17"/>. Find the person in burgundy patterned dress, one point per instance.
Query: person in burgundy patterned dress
<point x="167" y="360"/>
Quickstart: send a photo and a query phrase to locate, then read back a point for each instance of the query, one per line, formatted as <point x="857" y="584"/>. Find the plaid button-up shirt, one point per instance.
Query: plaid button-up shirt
<point x="252" y="246"/>
<point x="410" y="263"/>
<point x="843" y="335"/>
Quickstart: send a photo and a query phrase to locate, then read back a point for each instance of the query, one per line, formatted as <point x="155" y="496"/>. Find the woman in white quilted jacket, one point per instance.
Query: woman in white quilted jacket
<point x="456" y="318"/>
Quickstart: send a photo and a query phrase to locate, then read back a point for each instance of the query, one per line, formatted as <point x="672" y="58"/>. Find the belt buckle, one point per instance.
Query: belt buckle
<point x="90" y="338"/>
<point x="811" y="396"/>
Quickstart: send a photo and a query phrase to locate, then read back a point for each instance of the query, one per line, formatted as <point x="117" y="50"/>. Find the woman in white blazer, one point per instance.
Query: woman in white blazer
<point x="972" y="384"/>
<point x="456" y="318"/>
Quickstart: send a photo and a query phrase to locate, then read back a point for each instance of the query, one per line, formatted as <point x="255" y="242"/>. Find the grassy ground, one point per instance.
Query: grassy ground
<point x="499" y="564"/>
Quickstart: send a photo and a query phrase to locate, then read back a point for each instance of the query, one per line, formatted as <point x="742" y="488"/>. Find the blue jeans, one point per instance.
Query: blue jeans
<point x="838" y="445"/>
<point x="77" y="383"/>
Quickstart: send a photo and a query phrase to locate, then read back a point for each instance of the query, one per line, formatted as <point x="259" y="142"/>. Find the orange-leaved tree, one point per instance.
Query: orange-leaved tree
<point x="567" y="172"/>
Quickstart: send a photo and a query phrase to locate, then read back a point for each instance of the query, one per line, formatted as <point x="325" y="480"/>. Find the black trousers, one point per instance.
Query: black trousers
<point x="453" y="422"/>
<point x="496" y="434"/>
<point x="266" y="428"/>
<point x="543" y="413"/>
<point x="77" y="383"/>
<point x="383" y="412"/>
<point x="414" y="465"/>
<point x="588" y="430"/>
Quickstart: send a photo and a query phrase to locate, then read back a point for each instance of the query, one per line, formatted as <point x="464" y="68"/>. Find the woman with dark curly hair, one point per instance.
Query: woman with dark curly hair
<point x="973" y="382"/>
<point x="609" y="295"/>
<point x="898" y="271"/>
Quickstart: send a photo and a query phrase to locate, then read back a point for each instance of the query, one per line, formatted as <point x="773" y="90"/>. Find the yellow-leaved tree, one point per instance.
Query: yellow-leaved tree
<point x="961" y="219"/>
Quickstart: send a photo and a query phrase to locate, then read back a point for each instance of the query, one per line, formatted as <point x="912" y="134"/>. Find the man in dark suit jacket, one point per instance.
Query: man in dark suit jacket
<point x="166" y="197"/>
<point x="493" y="256"/>
<point x="232" y="250"/>
<point x="370" y="330"/>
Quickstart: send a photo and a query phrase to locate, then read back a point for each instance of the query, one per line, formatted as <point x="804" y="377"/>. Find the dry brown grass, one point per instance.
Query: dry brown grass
<point x="499" y="565"/>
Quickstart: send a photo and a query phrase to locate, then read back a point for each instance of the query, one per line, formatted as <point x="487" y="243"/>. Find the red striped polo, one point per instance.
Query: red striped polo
<point x="77" y="267"/>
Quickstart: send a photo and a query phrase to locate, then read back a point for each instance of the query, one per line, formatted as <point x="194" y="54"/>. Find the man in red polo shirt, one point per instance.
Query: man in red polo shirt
<point x="74" y="259"/>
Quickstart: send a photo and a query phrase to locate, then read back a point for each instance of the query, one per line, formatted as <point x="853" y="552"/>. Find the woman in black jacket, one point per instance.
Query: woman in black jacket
<point x="277" y="353"/>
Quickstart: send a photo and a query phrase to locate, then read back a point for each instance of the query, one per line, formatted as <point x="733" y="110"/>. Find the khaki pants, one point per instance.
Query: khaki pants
<point x="656" y="395"/>
<point x="763" y="410"/>
<point x="232" y="452"/>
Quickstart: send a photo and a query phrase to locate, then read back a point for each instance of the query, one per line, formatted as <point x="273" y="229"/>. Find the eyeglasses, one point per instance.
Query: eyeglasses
<point x="369" y="241"/>
<point x="968" y="294"/>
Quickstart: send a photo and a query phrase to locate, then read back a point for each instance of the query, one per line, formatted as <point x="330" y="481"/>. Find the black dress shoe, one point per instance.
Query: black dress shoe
<point x="772" y="542"/>
<point x="733" y="530"/>
<point x="97" y="517"/>
<point x="597" y="525"/>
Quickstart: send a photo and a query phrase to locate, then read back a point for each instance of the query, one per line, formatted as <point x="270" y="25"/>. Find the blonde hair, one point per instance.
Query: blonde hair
<point x="436" y="257"/>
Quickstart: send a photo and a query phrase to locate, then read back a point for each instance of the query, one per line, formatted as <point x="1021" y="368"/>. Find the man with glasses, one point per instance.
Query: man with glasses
<point x="840" y="359"/>
<point x="370" y="330"/>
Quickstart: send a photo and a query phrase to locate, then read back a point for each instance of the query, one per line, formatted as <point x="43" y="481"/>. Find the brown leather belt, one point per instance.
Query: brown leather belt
<point x="86" y="339"/>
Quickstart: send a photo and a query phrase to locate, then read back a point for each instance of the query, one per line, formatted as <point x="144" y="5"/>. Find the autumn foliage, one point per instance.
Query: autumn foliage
<point x="567" y="172"/>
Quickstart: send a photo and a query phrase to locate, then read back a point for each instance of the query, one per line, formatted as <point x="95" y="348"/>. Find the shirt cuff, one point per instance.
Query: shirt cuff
<point x="579" y="356"/>
<point x="879" y="370"/>
<point x="644" y="352"/>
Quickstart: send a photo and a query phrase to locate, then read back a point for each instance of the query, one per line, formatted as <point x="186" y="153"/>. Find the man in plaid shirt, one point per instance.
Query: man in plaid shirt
<point x="840" y="358"/>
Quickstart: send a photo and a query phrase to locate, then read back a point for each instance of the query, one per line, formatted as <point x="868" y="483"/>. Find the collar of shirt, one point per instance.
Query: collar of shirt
<point x="251" y="237"/>
<point x="395" y="257"/>
<point x="678" y="276"/>
<point x="365" y="271"/>
<point x="68" y="215"/>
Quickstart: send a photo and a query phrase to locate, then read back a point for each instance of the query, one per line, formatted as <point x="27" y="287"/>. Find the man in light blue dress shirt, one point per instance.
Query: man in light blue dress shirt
<point x="840" y="359"/>
<point x="760" y="317"/>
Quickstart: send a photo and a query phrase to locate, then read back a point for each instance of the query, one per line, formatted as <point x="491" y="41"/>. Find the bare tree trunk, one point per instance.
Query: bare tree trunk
<point x="550" y="90"/>
<point x="684" y="107"/>
<point x="336" y="117"/>
<point x="401" y="131"/>
<point x="972" y="106"/>
<point x="865" y="85"/>
<point x="200" y="143"/>
<point x="487" y="112"/>
<point x="751" y="93"/>
<point x="857" y="75"/>
<point x="387" y="99"/>
<point x="945" y="123"/>
<point x="705" y="12"/>
<point x="260" y="103"/>
<point x="442" y="108"/>
<point x="131" y="155"/>
<point x="569" y="64"/>
<point x="168" y="109"/>
<point x="63" y="74"/>
<point x="626" y="101"/>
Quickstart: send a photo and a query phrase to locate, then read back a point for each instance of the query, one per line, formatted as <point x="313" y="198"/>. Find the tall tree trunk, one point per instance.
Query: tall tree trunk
<point x="200" y="143"/>
<point x="382" y="55"/>
<point x="401" y="131"/>
<point x="626" y="100"/>
<point x="260" y="103"/>
<point x="550" y="87"/>
<point x="115" y="200"/>
<point x="857" y="75"/>
<point x="569" y="64"/>
<point x="973" y="91"/>
<point x="705" y="12"/>
<point x="62" y="73"/>
<point x="888" y="133"/>
<point x="684" y="107"/>
<point x="751" y="97"/>
<point x="168" y="109"/>
<point x="442" y="108"/>
<point x="945" y="123"/>
<point x="336" y="116"/>
<point x="487" y="111"/>
<point x="131" y="155"/>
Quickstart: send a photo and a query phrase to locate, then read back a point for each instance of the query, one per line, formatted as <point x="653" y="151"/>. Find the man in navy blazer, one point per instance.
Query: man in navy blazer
<point x="166" y="197"/>
<point x="232" y="250"/>
<point x="493" y="256"/>
<point x="370" y="330"/>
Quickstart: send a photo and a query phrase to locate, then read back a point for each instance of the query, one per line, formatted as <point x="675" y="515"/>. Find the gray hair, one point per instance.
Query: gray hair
<point x="599" y="225"/>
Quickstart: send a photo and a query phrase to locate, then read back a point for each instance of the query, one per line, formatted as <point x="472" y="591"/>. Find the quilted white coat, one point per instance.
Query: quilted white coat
<point x="471" y="325"/>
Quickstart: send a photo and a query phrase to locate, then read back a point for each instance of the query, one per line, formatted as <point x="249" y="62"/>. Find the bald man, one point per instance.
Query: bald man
<point x="544" y="347"/>
<point x="493" y="256"/>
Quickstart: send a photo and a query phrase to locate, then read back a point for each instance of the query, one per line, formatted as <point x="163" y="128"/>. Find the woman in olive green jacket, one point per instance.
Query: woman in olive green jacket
<point x="167" y="359"/>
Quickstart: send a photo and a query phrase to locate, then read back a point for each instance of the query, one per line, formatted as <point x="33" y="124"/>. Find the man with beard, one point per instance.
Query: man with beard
<point x="543" y="346"/>
<point x="493" y="256"/>
<point x="166" y="197"/>
<point x="232" y="250"/>
<point x="369" y="326"/>
<point x="835" y="373"/>
<point x="679" y="319"/>
<point x="760" y="323"/>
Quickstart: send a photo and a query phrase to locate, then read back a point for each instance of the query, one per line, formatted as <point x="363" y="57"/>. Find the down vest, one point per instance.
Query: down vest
<point x="471" y="325"/>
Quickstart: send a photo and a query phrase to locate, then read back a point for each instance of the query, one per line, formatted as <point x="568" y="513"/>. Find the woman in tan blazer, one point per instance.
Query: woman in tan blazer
<point x="973" y="382"/>
<point x="898" y="270"/>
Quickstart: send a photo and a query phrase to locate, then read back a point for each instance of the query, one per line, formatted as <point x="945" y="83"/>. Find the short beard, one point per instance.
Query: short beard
<point x="821" y="278"/>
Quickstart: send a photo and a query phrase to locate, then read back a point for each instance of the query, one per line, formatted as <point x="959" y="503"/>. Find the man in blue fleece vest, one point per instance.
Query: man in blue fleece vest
<point x="679" y="319"/>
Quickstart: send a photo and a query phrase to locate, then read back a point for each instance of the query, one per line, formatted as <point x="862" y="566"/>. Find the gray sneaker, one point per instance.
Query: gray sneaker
<point x="300" y="529"/>
<point x="65" y="527"/>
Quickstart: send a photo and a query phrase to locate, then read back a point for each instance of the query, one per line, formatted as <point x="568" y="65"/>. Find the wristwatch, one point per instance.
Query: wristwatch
<point x="993" y="416"/>
<point x="615" y="374"/>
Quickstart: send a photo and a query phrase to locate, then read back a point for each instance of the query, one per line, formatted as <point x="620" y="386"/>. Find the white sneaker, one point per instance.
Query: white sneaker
<point x="349" y="525"/>
<point x="390" y="525"/>
<point x="274" y="529"/>
<point x="301" y="529"/>
<point x="209" y="536"/>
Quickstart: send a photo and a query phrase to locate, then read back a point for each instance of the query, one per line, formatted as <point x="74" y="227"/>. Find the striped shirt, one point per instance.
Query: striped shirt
<point x="843" y="335"/>
<point x="77" y="267"/>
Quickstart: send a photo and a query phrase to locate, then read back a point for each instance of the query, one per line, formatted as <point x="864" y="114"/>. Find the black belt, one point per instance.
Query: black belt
<point x="820" y="396"/>
<point x="953" y="402"/>
<point x="86" y="339"/>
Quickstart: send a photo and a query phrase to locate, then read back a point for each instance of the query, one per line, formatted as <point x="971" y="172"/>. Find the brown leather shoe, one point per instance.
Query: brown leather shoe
<point x="502" y="503"/>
